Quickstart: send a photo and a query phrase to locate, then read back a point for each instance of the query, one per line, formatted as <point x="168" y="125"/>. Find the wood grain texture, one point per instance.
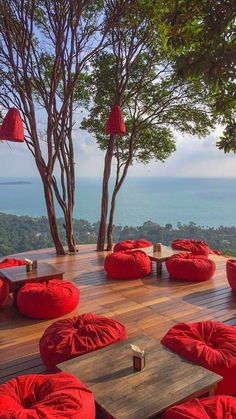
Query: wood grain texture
<point x="147" y="306"/>
<point x="18" y="275"/>
<point x="166" y="379"/>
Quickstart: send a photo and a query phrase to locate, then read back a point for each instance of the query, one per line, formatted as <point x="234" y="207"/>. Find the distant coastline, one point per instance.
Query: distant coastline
<point x="206" y="202"/>
<point x="20" y="182"/>
<point x="31" y="233"/>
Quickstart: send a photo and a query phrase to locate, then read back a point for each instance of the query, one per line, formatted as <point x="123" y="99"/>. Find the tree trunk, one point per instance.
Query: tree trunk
<point x="67" y="151"/>
<point x="105" y="196"/>
<point x="71" y="243"/>
<point x="111" y="218"/>
<point x="116" y="189"/>
<point x="52" y="217"/>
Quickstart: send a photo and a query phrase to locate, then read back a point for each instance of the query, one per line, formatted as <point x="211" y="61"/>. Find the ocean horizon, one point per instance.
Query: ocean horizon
<point x="208" y="202"/>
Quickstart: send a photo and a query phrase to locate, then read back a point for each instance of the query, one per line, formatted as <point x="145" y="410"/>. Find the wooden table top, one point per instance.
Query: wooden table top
<point x="167" y="379"/>
<point x="19" y="274"/>
<point x="163" y="255"/>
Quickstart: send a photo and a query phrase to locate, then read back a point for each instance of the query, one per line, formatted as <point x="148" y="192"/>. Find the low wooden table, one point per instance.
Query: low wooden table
<point x="18" y="276"/>
<point x="167" y="379"/>
<point x="161" y="256"/>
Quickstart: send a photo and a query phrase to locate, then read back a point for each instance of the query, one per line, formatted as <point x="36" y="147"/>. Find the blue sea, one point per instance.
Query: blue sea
<point x="205" y="201"/>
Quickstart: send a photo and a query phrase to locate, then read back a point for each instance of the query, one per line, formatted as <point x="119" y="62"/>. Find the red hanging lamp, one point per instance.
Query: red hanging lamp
<point x="12" y="127"/>
<point x="116" y="124"/>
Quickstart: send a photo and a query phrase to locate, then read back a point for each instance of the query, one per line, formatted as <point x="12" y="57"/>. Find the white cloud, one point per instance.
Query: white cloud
<point x="16" y="160"/>
<point x="194" y="157"/>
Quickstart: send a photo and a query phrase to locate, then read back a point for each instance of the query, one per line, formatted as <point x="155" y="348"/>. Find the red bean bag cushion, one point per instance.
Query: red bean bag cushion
<point x="127" y="265"/>
<point x="197" y="247"/>
<point x="188" y="267"/>
<point x="209" y="344"/>
<point x="11" y="262"/>
<point x="131" y="244"/>
<point x="48" y="300"/>
<point x="48" y="396"/>
<point x="4" y="292"/>
<point x="231" y="273"/>
<point x="216" y="407"/>
<point x="69" y="338"/>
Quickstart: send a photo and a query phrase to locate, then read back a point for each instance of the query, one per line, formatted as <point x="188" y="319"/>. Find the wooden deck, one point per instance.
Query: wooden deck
<point x="148" y="306"/>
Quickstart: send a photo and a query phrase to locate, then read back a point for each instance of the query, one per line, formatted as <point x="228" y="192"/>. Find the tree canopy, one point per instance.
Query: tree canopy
<point x="135" y="70"/>
<point x="202" y="36"/>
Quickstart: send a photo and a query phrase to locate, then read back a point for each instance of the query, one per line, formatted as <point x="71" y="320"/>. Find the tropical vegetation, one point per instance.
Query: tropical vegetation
<point x="24" y="233"/>
<point x="170" y="65"/>
<point x="202" y="35"/>
<point x="138" y="73"/>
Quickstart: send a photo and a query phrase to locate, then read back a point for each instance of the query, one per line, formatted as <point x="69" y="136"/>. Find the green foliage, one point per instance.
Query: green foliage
<point x="228" y="140"/>
<point x="202" y="36"/>
<point x="154" y="103"/>
<point x="19" y="234"/>
<point x="137" y="73"/>
<point x="151" y="143"/>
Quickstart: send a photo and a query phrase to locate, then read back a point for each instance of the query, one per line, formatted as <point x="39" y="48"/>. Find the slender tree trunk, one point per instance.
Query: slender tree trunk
<point x="70" y="39"/>
<point x="52" y="217"/>
<point x="107" y="166"/>
<point x="118" y="184"/>
<point x="65" y="196"/>
<point x="69" y="231"/>
<point x="69" y="164"/>
<point x="111" y="218"/>
<point x="113" y="205"/>
<point x="105" y="196"/>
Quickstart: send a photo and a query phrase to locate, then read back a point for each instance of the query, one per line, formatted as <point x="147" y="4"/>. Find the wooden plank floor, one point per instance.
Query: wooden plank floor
<point x="147" y="306"/>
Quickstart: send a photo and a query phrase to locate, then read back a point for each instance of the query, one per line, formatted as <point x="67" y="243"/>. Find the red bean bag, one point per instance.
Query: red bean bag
<point x="209" y="344"/>
<point x="216" y="407"/>
<point x="48" y="300"/>
<point x="188" y="267"/>
<point x="231" y="273"/>
<point x="4" y="292"/>
<point x="48" y="396"/>
<point x="11" y="262"/>
<point x="131" y="244"/>
<point x="127" y="265"/>
<point x="197" y="247"/>
<point x="69" y="338"/>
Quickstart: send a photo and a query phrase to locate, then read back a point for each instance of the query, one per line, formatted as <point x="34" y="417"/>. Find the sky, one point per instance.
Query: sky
<point x="194" y="158"/>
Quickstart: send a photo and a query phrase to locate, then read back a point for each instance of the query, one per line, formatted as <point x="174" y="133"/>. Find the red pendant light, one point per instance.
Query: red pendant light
<point x="12" y="127"/>
<point x="115" y="124"/>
